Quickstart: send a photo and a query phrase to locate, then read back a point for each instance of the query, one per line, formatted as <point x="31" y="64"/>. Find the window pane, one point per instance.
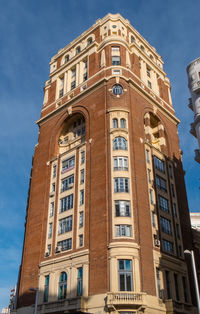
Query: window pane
<point x="121" y="264"/>
<point x="122" y="282"/>
<point x="128" y="264"/>
<point x="128" y="282"/>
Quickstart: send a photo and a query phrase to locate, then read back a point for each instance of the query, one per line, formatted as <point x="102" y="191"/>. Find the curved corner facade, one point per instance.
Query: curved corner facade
<point x="107" y="216"/>
<point x="193" y="71"/>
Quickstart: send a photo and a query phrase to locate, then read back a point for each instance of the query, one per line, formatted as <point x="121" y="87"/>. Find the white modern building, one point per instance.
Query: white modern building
<point x="193" y="71"/>
<point x="195" y="220"/>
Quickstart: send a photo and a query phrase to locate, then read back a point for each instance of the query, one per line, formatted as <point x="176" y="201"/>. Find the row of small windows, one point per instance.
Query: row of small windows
<point x="116" y="124"/>
<point x="78" y="49"/>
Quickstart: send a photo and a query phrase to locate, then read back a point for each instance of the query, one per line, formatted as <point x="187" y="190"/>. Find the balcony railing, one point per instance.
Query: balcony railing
<point x="73" y="304"/>
<point x="124" y="299"/>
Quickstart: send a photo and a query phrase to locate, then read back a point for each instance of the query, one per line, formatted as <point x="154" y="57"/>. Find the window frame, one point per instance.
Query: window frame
<point x="122" y="211"/>
<point x="65" y="224"/>
<point x="121" y="185"/>
<point x="62" y="286"/>
<point x="125" y="272"/>
<point x="120" y="143"/>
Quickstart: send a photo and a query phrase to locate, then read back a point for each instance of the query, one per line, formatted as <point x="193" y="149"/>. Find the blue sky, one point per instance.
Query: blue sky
<point x="31" y="31"/>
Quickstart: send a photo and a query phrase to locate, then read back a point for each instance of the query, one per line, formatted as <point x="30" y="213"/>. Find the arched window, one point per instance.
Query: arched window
<point x="115" y="123"/>
<point x="132" y="39"/>
<point x="78" y="50"/>
<point x="142" y="47"/>
<point x="66" y="58"/>
<point x="89" y="41"/>
<point x="62" y="287"/>
<point x="119" y="143"/>
<point x="123" y="123"/>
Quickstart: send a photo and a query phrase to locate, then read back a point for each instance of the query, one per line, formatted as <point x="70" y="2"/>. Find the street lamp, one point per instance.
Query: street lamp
<point x="191" y="253"/>
<point x="36" y="298"/>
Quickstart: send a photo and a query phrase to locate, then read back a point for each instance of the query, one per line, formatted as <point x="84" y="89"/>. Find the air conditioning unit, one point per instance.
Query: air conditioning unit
<point x="157" y="242"/>
<point x="58" y="249"/>
<point x="70" y="186"/>
<point x="47" y="254"/>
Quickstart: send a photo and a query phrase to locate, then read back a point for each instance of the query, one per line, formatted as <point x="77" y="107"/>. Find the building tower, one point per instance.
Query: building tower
<point x="103" y="230"/>
<point x="193" y="71"/>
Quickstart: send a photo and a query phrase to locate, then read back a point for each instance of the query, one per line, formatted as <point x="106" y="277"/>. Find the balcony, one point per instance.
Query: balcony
<point x="126" y="299"/>
<point x="73" y="305"/>
<point x="197" y="155"/>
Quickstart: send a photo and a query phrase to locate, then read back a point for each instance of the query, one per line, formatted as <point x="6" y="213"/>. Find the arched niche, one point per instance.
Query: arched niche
<point x="72" y="132"/>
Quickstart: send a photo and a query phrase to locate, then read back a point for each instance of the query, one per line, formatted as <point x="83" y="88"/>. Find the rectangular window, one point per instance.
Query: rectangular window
<point x="147" y="156"/>
<point x="168" y="246"/>
<point x="80" y="281"/>
<point x="177" y="231"/>
<point x="174" y="209"/>
<point x="80" y="240"/>
<point x="65" y="244"/>
<point x="170" y="171"/>
<point x="153" y="219"/>
<point x="82" y="176"/>
<point x="46" y="289"/>
<point x="165" y="225"/>
<point x="115" y="60"/>
<point x="148" y="72"/>
<point x="158" y="283"/>
<point x="149" y="175"/>
<point x="73" y="84"/>
<point x="80" y="219"/>
<point x="50" y="230"/>
<point x="163" y="203"/>
<point x="172" y="189"/>
<point x="85" y="64"/>
<point x="49" y="249"/>
<point x="149" y="84"/>
<point x="53" y="187"/>
<point x="82" y="157"/>
<point x="51" y="209"/>
<point x="67" y="183"/>
<point x="176" y="287"/>
<point x="121" y="185"/>
<point x="54" y="171"/>
<point x="66" y="203"/>
<point x="123" y="231"/>
<point x="151" y="196"/>
<point x="73" y="73"/>
<point x="161" y="183"/>
<point x="61" y="87"/>
<point x="167" y="279"/>
<point x="121" y="163"/>
<point x="159" y="164"/>
<point x="68" y="164"/>
<point x="122" y="209"/>
<point x="65" y="225"/>
<point x="81" y="197"/>
<point x="185" y="289"/>
<point x="125" y="275"/>
<point x="85" y="76"/>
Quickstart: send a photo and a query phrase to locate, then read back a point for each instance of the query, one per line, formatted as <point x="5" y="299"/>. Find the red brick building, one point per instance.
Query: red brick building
<point x="107" y="217"/>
